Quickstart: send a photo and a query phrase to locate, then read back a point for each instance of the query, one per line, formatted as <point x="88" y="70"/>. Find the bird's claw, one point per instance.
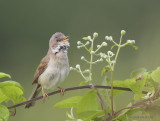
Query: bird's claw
<point x="44" y="96"/>
<point x="62" y="90"/>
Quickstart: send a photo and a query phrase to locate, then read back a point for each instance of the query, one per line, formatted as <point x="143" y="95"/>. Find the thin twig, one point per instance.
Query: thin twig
<point x="101" y="101"/>
<point x="70" y="89"/>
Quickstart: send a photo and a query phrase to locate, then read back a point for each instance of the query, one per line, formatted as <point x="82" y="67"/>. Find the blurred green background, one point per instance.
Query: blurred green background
<point x="26" y="27"/>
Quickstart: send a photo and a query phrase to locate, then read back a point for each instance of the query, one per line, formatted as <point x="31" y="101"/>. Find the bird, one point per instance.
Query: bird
<point x="53" y="68"/>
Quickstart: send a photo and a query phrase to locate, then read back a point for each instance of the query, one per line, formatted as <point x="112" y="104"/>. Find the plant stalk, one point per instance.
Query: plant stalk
<point x="112" y="70"/>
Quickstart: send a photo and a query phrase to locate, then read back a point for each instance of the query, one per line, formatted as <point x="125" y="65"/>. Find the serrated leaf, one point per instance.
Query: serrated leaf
<point x="88" y="102"/>
<point x="10" y="83"/>
<point x="4" y="113"/>
<point x="13" y="93"/>
<point x="88" y="115"/>
<point x="4" y="75"/>
<point x="156" y="75"/>
<point x="138" y="72"/>
<point x="68" y="103"/>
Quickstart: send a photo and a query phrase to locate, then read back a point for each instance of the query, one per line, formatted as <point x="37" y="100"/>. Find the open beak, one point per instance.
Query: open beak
<point x="65" y="39"/>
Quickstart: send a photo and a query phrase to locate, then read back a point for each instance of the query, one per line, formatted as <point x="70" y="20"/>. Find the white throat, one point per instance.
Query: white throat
<point x="59" y="46"/>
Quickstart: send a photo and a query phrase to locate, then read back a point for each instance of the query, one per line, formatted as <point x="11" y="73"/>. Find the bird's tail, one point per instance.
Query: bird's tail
<point x="34" y="94"/>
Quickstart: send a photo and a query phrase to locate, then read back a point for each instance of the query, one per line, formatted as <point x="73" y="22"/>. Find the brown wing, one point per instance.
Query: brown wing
<point x="40" y="69"/>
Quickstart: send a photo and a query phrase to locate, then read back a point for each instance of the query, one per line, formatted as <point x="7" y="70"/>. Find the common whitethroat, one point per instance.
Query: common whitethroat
<point x="53" y="68"/>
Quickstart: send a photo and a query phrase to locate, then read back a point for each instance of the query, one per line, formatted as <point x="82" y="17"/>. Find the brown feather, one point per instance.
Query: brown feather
<point x="40" y="69"/>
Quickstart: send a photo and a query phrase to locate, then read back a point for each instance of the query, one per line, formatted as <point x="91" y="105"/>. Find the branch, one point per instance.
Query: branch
<point x="70" y="89"/>
<point x="138" y="104"/>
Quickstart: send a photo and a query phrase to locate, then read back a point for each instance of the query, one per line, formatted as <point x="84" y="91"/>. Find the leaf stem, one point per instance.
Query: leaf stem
<point x="91" y="60"/>
<point x="112" y="70"/>
<point x="80" y="71"/>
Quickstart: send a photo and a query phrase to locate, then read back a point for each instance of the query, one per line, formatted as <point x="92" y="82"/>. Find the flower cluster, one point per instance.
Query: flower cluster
<point x="108" y="56"/>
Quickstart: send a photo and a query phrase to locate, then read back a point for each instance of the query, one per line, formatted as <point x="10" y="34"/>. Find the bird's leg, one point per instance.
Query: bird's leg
<point x="44" y="94"/>
<point x="62" y="90"/>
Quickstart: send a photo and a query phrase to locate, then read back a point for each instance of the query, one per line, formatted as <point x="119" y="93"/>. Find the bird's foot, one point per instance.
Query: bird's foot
<point x="44" y="96"/>
<point x="62" y="90"/>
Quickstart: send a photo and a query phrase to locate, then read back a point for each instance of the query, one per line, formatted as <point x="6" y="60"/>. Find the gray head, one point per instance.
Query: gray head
<point x="58" y="42"/>
<point x="56" y="38"/>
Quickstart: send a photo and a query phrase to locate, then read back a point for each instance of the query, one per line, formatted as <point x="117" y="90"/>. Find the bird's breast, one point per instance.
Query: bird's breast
<point x="55" y="73"/>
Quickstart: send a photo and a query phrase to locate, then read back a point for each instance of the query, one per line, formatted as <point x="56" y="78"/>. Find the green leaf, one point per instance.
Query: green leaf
<point x="13" y="93"/>
<point x="118" y="83"/>
<point x="4" y="75"/>
<point x="156" y="75"/>
<point x="90" y="49"/>
<point x="10" y="83"/>
<point x="105" y="94"/>
<point x="127" y="113"/>
<point x="88" y="102"/>
<point x="3" y="97"/>
<point x="85" y="38"/>
<point x="135" y="85"/>
<point x="135" y="47"/>
<point x="68" y="103"/>
<point x="138" y="72"/>
<point x="4" y="113"/>
<point x="113" y="46"/>
<point x="153" y="110"/>
<point x="124" y="114"/>
<point x="105" y="69"/>
<point x="88" y="115"/>
<point x="82" y="83"/>
<point x="138" y="86"/>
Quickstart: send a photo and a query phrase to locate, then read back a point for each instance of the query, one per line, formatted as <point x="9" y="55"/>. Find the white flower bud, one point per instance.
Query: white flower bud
<point x="100" y="59"/>
<point x="104" y="44"/>
<point x="103" y="55"/>
<point x="82" y="57"/>
<point x="87" y="71"/>
<point x="113" y="61"/>
<point x="95" y="34"/>
<point x="77" y="66"/>
<point x="71" y="68"/>
<point x="78" y="43"/>
<point x="89" y="37"/>
<point x="92" y="52"/>
<point x="78" y="47"/>
<point x="110" y="53"/>
<point x="131" y="41"/>
<point x="98" y="46"/>
<point x="109" y="38"/>
<point x="123" y="32"/>
<point x="87" y="43"/>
